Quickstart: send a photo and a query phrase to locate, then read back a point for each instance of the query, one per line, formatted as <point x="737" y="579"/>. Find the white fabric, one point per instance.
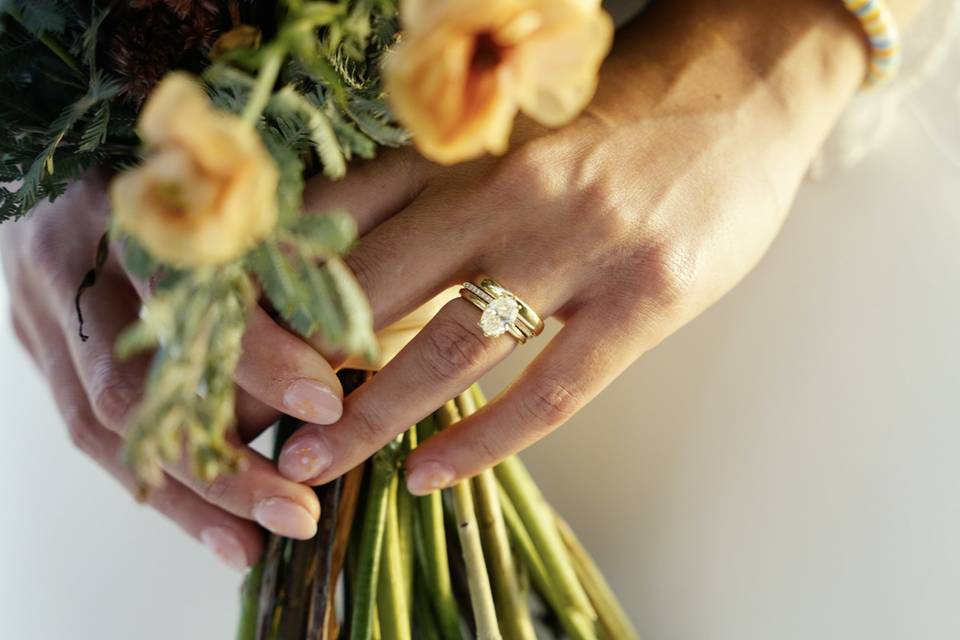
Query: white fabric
<point x="871" y="117"/>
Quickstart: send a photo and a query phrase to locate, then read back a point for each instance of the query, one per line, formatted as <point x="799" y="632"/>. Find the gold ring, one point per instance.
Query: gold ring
<point x="502" y="311"/>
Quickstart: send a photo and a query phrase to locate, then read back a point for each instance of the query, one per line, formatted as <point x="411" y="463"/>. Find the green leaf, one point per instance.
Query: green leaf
<point x="43" y="167"/>
<point x="351" y="138"/>
<point x="290" y="185"/>
<point x="360" y="337"/>
<point x="375" y="121"/>
<point x="95" y="133"/>
<point x="41" y="16"/>
<point x="136" y="260"/>
<point x="197" y="326"/>
<point x="316" y="298"/>
<point x="279" y="280"/>
<point x="324" y="235"/>
<point x="323" y="73"/>
<point x="287" y="102"/>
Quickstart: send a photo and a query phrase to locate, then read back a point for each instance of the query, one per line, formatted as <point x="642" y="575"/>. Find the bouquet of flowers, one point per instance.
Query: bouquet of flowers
<point x="211" y="113"/>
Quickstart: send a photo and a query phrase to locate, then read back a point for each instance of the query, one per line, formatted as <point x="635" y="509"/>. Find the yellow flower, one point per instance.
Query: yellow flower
<point x="464" y="68"/>
<point x="206" y="191"/>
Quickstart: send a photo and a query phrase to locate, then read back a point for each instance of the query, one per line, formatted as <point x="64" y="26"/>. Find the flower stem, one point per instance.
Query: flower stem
<point x="406" y="512"/>
<point x="537" y="517"/>
<point x="426" y="623"/>
<point x="481" y="597"/>
<point x="392" y="594"/>
<point x="576" y="627"/>
<point x="513" y="610"/>
<point x="273" y="56"/>
<point x="273" y="558"/>
<point x="432" y="552"/>
<point x="349" y="497"/>
<point x="371" y="547"/>
<point x="249" y="592"/>
<point x="613" y="618"/>
<point x="325" y="574"/>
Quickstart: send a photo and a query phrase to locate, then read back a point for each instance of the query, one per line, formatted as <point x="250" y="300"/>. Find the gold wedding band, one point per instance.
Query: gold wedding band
<point x="502" y="311"/>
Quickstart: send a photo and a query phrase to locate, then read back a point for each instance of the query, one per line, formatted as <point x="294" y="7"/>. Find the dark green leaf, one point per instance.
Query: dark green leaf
<point x="42" y="16"/>
<point x="324" y="235"/>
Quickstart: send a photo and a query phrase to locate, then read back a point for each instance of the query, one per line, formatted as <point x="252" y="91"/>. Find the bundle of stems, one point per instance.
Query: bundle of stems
<point x="487" y="558"/>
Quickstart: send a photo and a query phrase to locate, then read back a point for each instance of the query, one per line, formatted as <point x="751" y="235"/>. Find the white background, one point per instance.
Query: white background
<point x="783" y="468"/>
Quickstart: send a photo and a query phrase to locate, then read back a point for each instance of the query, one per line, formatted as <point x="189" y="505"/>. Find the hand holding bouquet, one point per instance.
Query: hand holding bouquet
<point x="623" y="225"/>
<point x="207" y="214"/>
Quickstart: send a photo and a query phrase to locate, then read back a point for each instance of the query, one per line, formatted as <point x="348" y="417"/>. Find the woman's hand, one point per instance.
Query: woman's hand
<point x="45" y="257"/>
<point x="623" y="226"/>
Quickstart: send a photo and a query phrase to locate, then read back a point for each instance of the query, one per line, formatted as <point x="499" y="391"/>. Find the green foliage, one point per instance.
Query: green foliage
<point x="196" y="325"/>
<point x="41" y="179"/>
<point x="41" y="16"/>
<point x="290" y="106"/>
<point x="56" y="113"/>
<point x="312" y="297"/>
<point x="321" y="106"/>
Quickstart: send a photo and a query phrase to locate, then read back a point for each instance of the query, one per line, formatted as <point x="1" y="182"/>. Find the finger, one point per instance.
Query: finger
<point x="236" y="541"/>
<point x="24" y="335"/>
<point x="577" y="364"/>
<point x="444" y="359"/>
<point x="284" y="372"/>
<point x="258" y="492"/>
<point x="410" y="258"/>
<point x="114" y="387"/>
<point x="253" y="417"/>
<point x="371" y="190"/>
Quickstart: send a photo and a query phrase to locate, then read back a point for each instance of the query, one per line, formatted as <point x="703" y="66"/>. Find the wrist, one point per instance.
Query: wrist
<point x="787" y="68"/>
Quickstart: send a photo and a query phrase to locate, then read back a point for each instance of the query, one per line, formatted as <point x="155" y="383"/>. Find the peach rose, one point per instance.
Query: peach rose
<point x="206" y="192"/>
<point x="463" y="68"/>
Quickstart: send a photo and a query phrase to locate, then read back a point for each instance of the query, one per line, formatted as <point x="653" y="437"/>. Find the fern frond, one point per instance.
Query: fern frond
<point x="289" y="103"/>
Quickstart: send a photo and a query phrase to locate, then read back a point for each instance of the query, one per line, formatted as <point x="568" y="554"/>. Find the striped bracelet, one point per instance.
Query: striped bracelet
<point x="884" y="36"/>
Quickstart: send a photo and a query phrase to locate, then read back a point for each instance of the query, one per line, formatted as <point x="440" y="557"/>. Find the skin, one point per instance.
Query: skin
<point x="663" y="195"/>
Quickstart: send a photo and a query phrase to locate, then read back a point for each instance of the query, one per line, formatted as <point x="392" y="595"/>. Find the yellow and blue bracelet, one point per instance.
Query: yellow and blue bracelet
<point x="884" y="37"/>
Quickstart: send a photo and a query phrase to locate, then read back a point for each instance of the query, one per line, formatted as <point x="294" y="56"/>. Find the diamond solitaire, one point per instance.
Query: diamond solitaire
<point x="502" y="311"/>
<point x="501" y="314"/>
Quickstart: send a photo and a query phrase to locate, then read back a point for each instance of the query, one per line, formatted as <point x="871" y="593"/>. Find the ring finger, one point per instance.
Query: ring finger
<point x="446" y="357"/>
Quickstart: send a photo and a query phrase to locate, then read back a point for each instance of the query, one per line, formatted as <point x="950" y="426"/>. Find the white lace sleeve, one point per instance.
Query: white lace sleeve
<point x="869" y="119"/>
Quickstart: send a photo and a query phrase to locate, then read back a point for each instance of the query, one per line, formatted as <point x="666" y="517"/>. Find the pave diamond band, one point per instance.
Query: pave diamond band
<point x="502" y="311"/>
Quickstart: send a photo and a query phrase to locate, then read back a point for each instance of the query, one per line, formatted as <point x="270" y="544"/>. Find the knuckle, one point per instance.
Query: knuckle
<point x="217" y="489"/>
<point x="550" y="401"/>
<point x="491" y="451"/>
<point x="368" y="423"/>
<point x="365" y="265"/>
<point x="452" y="349"/>
<point x="112" y="399"/>
<point x="47" y="249"/>
<point x="663" y="272"/>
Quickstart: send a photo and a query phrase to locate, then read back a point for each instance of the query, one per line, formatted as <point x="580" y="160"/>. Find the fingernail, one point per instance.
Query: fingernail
<point x="225" y="544"/>
<point x="312" y="401"/>
<point x="428" y="477"/>
<point x="305" y="458"/>
<point x="285" y="518"/>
